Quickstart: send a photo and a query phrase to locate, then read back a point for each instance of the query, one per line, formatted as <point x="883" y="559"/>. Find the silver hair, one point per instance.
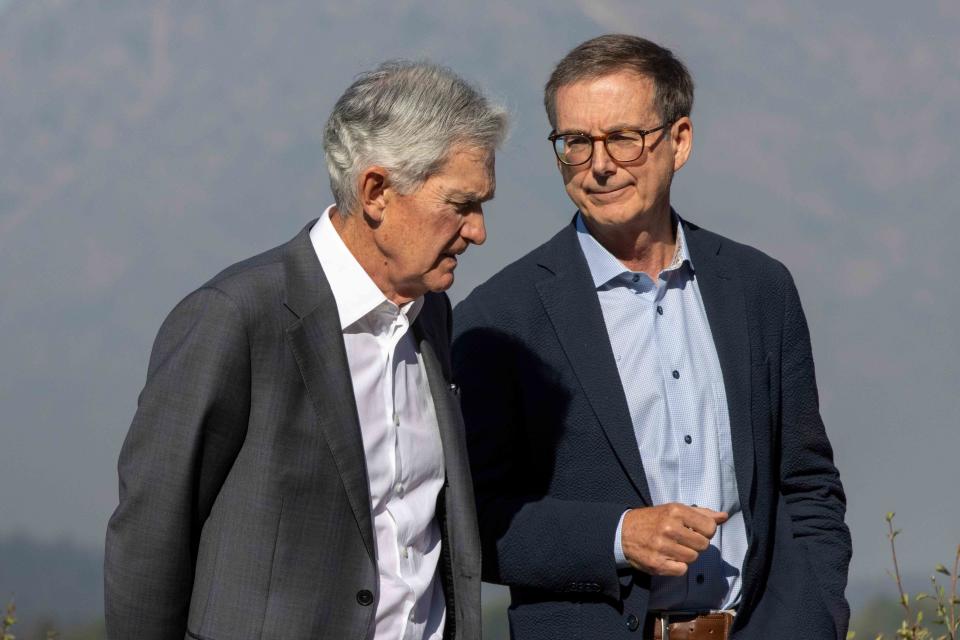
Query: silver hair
<point x="406" y="117"/>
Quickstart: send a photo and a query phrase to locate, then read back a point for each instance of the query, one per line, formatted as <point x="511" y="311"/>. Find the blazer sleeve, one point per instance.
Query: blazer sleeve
<point x="810" y="483"/>
<point x="189" y="424"/>
<point x="529" y="539"/>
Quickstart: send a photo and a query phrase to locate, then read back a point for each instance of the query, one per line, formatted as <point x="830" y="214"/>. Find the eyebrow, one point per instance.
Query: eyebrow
<point x="620" y="126"/>
<point x="469" y="196"/>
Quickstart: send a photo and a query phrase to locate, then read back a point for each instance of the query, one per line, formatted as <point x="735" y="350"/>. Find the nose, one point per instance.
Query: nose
<point x="473" y="229"/>
<point x="601" y="163"/>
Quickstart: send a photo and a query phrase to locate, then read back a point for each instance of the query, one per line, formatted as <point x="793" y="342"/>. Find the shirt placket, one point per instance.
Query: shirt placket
<point x="688" y="435"/>
<point x="669" y="589"/>
<point x="395" y="333"/>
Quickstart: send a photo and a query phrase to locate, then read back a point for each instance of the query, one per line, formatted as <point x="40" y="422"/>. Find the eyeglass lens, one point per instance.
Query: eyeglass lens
<point x="623" y="146"/>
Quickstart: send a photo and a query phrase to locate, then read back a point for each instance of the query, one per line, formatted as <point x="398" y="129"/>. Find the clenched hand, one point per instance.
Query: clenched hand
<point x="664" y="540"/>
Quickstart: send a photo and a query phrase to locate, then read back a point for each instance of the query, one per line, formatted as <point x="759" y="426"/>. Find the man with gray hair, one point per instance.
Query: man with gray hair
<point x="640" y="400"/>
<point x="296" y="467"/>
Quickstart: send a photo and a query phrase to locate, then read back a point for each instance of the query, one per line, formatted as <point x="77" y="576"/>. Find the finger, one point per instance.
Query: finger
<point x="719" y="516"/>
<point x="673" y="550"/>
<point x="661" y="566"/>
<point x="671" y="568"/>
<point x="692" y="540"/>
<point x="703" y="521"/>
<point x="675" y="531"/>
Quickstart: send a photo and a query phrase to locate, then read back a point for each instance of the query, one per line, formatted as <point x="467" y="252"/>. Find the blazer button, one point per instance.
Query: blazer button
<point x="633" y="622"/>
<point x="364" y="597"/>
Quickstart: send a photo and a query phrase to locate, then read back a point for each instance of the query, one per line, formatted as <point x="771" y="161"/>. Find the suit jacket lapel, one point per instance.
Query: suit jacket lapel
<point x="434" y="349"/>
<point x="317" y="343"/>
<point x="444" y="400"/>
<point x="723" y="301"/>
<point x="571" y="302"/>
<point x="455" y="507"/>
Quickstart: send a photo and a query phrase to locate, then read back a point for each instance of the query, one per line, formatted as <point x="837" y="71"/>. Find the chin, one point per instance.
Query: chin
<point x="441" y="282"/>
<point x="610" y="214"/>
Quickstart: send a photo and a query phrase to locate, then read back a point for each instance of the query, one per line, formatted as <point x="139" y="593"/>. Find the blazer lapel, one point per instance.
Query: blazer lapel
<point x="444" y="403"/>
<point x="570" y="300"/>
<point x="456" y="513"/>
<point x="316" y="340"/>
<point x="459" y="493"/>
<point x="723" y="301"/>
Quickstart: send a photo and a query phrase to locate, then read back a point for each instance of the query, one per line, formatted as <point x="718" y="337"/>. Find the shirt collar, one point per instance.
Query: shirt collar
<point x="604" y="267"/>
<point x="354" y="291"/>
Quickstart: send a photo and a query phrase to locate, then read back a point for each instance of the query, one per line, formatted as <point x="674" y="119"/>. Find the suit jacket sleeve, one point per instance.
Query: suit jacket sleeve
<point x="529" y="539"/>
<point x="190" y="422"/>
<point x="810" y="483"/>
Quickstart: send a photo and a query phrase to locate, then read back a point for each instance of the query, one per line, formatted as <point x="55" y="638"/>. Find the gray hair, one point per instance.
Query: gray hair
<point x="611" y="53"/>
<point x="405" y="116"/>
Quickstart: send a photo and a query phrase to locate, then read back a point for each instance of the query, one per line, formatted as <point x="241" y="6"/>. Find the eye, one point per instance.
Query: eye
<point x="576" y="142"/>
<point x="624" y="137"/>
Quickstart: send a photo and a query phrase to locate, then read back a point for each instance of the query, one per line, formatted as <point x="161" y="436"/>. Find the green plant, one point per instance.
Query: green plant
<point x="10" y="618"/>
<point x="7" y="622"/>
<point x="945" y="614"/>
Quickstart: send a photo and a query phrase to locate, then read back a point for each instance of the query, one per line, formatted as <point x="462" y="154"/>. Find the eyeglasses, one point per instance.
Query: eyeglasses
<point x="625" y="145"/>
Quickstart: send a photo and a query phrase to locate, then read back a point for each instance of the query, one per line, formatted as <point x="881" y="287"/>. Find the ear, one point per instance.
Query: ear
<point x="373" y="186"/>
<point x="681" y="136"/>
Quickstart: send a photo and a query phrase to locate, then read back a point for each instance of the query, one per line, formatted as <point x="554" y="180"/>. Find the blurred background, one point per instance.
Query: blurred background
<point x="146" y="145"/>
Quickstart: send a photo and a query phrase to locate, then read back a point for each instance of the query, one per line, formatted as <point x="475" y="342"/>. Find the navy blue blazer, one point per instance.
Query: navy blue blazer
<point x="555" y="462"/>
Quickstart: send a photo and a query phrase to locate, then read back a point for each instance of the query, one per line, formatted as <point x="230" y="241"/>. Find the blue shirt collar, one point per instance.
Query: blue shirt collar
<point x="604" y="267"/>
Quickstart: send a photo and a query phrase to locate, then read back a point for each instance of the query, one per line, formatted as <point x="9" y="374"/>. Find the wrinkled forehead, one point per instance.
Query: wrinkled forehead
<point x="469" y="171"/>
<point x="623" y="97"/>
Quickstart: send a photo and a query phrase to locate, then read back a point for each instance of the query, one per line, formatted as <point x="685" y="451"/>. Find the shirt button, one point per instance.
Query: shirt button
<point x="676" y="374"/>
<point x="687" y="439"/>
<point x="659" y="309"/>
<point x="636" y="277"/>
<point x="404" y="552"/>
<point x="699" y="578"/>
<point x="398" y="488"/>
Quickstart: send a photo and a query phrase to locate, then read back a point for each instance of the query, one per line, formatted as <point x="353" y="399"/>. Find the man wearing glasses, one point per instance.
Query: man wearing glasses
<point x="639" y="393"/>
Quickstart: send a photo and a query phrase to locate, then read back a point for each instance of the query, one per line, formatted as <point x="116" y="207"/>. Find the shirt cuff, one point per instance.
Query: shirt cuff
<point x="618" y="555"/>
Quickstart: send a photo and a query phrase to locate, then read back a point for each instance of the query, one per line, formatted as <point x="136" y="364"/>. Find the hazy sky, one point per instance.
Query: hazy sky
<point x="145" y="146"/>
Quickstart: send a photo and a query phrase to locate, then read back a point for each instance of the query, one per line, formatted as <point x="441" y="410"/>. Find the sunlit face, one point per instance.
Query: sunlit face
<point x="422" y="233"/>
<point x="608" y="192"/>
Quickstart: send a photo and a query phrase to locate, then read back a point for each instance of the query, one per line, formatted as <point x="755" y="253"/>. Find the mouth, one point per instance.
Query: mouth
<point x="607" y="194"/>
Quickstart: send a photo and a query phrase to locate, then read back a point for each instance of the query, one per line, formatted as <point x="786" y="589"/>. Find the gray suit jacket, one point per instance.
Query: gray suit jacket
<point x="244" y="502"/>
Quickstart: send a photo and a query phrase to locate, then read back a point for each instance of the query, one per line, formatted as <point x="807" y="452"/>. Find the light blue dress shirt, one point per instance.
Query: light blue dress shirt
<point x="671" y="376"/>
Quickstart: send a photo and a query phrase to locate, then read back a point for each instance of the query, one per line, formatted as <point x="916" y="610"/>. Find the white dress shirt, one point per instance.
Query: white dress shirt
<point x="401" y="441"/>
